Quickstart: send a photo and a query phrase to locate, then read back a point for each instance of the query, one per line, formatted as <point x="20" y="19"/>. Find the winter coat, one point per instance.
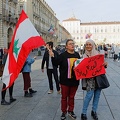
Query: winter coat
<point x="27" y="65"/>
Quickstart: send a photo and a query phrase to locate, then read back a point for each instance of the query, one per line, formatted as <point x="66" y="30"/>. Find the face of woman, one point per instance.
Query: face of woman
<point x="70" y="46"/>
<point x="89" y="46"/>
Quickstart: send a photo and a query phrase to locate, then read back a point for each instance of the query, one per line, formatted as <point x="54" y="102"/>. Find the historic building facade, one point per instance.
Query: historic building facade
<point x="102" y="32"/>
<point x="8" y="19"/>
<point x="40" y="14"/>
<point x="63" y="34"/>
<point x="73" y="26"/>
<point x="43" y="17"/>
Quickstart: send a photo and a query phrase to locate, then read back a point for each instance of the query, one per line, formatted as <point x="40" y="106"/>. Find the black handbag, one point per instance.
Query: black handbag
<point x="84" y="84"/>
<point x="102" y="81"/>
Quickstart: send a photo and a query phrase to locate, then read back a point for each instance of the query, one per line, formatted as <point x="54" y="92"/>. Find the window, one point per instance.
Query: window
<point x="95" y="30"/>
<point x="21" y="7"/>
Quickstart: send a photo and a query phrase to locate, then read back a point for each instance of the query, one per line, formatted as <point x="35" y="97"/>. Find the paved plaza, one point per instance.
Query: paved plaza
<point x="44" y="106"/>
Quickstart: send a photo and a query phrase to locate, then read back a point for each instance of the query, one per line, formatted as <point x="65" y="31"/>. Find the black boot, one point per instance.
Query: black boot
<point x="4" y="102"/>
<point x="12" y="99"/>
<point x="94" y="115"/>
<point x="32" y="91"/>
<point x="27" y="94"/>
<point x="83" y="117"/>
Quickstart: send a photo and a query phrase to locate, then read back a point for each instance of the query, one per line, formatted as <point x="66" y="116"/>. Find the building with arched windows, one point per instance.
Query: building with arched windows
<point x="8" y="19"/>
<point x="39" y="12"/>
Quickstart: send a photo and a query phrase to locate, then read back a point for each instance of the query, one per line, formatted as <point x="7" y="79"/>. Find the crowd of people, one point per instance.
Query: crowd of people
<point x="109" y="50"/>
<point x="62" y="60"/>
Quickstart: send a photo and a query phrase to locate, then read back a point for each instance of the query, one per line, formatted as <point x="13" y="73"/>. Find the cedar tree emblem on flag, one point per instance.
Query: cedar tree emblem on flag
<point x="24" y="39"/>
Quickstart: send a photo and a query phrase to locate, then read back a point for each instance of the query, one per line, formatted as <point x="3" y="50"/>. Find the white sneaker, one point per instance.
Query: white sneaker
<point x="50" y="92"/>
<point x="59" y="92"/>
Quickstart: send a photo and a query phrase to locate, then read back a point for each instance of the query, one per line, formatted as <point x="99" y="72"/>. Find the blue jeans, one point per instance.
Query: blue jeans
<point x="88" y="98"/>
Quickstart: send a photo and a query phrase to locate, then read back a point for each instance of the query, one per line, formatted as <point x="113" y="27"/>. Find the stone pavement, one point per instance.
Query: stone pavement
<point x="43" y="106"/>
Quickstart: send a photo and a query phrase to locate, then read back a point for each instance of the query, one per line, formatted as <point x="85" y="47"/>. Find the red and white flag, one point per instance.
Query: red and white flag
<point x="25" y="38"/>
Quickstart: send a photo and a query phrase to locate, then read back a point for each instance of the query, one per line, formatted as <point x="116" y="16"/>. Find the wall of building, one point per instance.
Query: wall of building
<point x="106" y="32"/>
<point x="73" y="27"/>
<point x="8" y="21"/>
<point x="102" y="32"/>
<point x="42" y="17"/>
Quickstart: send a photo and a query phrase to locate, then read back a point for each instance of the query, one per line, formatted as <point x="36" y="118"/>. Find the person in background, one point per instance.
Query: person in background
<point x="91" y="87"/>
<point x="81" y="49"/>
<point x="28" y="91"/>
<point x="112" y="50"/>
<point x="3" y="92"/>
<point x="51" y="68"/>
<point x="68" y="82"/>
<point x="119" y="54"/>
<point x="105" y="50"/>
<point x="1" y="55"/>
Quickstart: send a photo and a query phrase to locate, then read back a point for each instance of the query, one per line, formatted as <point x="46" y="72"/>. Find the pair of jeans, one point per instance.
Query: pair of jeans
<point x="88" y="98"/>
<point x="67" y="98"/>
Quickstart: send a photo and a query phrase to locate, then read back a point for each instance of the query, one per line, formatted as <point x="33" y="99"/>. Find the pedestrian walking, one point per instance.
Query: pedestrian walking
<point x="51" y="68"/>
<point x="28" y="91"/>
<point x="91" y="86"/>
<point x="68" y="82"/>
<point x="105" y="50"/>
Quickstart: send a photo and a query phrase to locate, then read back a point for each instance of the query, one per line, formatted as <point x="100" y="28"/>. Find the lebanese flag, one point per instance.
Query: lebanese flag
<point x="25" y="38"/>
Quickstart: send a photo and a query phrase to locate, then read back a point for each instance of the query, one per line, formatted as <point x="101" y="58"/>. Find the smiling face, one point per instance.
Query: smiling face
<point x="88" y="46"/>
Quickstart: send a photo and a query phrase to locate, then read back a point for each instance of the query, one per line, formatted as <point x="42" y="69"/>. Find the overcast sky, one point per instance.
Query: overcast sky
<point x="86" y="10"/>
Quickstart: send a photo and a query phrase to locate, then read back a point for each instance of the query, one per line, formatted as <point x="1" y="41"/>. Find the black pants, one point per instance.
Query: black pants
<point x="3" y="93"/>
<point x="55" y="74"/>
